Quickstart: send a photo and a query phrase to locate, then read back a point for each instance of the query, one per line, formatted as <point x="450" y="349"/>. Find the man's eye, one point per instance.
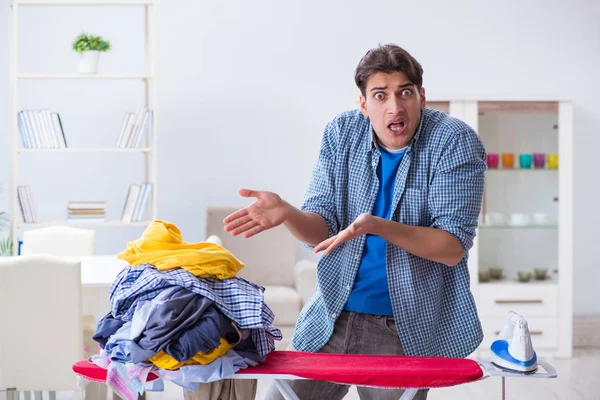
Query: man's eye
<point x="379" y="96"/>
<point x="406" y="92"/>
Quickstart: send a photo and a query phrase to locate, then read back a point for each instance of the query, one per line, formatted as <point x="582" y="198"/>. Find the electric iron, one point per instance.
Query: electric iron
<point x="512" y="349"/>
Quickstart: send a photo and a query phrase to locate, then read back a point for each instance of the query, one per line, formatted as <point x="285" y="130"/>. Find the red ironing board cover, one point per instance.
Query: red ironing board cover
<point x="351" y="369"/>
<point x="94" y="373"/>
<point x="371" y="370"/>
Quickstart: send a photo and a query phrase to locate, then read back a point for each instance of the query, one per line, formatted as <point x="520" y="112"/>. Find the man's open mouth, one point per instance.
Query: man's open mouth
<point x="397" y="127"/>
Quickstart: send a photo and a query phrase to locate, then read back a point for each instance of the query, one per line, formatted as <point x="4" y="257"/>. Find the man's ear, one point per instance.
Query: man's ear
<point x="423" y="99"/>
<point x="363" y="106"/>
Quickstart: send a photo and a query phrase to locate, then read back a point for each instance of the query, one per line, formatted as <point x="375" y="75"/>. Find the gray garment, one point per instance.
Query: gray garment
<point x="168" y="316"/>
<point x="354" y="333"/>
<point x="107" y="327"/>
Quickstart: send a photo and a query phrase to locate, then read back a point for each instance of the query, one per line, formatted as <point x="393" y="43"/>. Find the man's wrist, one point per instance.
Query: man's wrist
<point x="287" y="209"/>
<point x="376" y="225"/>
<point x="382" y="227"/>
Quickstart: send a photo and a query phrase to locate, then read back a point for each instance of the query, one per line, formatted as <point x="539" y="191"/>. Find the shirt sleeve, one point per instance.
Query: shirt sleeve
<point x="456" y="191"/>
<point x="320" y="196"/>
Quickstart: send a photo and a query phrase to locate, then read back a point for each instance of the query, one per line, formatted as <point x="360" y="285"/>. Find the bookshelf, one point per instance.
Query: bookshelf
<point x="85" y="77"/>
<point x="148" y="147"/>
<point x="89" y="150"/>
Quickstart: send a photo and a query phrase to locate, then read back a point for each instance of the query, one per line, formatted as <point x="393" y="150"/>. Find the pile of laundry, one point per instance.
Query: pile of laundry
<point x="179" y="311"/>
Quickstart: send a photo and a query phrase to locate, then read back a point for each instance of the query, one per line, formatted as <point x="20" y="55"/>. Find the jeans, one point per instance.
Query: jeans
<point x="354" y="333"/>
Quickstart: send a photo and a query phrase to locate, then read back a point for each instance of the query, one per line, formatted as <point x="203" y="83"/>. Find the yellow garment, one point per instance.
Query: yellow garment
<point x="161" y="246"/>
<point x="165" y="361"/>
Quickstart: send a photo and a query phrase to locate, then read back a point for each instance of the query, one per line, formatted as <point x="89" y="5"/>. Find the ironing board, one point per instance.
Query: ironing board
<point x="410" y="373"/>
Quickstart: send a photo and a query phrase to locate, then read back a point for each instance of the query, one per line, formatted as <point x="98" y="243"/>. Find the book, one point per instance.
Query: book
<point x="130" y="202"/>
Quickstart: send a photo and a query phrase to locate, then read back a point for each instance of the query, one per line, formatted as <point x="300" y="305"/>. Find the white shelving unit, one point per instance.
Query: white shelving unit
<point x="89" y="150"/>
<point x="85" y="77"/>
<point x="148" y="77"/>
<point x="81" y="224"/>
<point x="547" y="304"/>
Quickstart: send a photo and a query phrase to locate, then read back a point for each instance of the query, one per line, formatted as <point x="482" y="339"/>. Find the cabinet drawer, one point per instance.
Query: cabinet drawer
<point x="496" y="300"/>
<point x="543" y="331"/>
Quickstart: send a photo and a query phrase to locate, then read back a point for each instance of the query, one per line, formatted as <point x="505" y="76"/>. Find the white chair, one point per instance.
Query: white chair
<point x="71" y="242"/>
<point x="41" y="335"/>
<point x="59" y="240"/>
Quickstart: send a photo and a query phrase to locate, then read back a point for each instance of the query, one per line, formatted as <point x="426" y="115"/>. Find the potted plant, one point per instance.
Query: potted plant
<point x="5" y="242"/>
<point x="89" y="47"/>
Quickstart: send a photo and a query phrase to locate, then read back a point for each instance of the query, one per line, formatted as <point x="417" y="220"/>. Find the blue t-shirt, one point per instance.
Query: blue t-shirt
<point x="370" y="294"/>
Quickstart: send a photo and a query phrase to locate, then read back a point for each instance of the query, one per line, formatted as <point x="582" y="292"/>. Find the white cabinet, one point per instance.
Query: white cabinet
<point x="529" y="217"/>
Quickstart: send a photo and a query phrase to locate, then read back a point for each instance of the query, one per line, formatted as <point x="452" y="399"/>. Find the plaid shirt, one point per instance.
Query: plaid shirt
<point x="439" y="184"/>
<point x="240" y="300"/>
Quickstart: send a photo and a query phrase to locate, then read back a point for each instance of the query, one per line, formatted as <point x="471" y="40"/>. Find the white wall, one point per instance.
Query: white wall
<point x="245" y="89"/>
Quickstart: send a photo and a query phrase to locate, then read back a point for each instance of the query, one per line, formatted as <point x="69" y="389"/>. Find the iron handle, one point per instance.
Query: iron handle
<point x="532" y="333"/>
<point x="519" y="301"/>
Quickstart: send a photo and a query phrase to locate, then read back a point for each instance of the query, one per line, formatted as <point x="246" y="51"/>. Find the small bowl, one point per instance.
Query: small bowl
<point x="524" y="276"/>
<point x="496" y="273"/>
<point x="540" y="274"/>
<point x="484" y="276"/>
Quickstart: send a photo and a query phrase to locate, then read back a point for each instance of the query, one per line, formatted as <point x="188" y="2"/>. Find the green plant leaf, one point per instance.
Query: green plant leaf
<point x="85" y="42"/>
<point x="6" y="247"/>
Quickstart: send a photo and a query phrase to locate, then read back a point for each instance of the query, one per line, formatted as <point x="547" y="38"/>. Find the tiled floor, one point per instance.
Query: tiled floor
<point x="578" y="380"/>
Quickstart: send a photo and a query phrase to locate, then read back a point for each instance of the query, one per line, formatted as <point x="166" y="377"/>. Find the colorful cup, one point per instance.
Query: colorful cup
<point x="508" y="160"/>
<point x="492" y="160"/>
<point x="553" y="161"/>
<point x="539" y="160"/>
<point x="525" y="160"/>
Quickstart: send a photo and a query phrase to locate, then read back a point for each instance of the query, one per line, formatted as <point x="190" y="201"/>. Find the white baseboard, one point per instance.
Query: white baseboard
<point x="586" y="331"/>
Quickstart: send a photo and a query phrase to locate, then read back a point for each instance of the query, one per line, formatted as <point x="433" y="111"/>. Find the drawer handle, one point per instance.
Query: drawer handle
<point x="519" y="301"/>
<point x="532" y="333"/>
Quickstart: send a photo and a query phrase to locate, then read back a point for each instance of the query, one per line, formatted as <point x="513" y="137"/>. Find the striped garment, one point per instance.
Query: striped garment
<point x="240" y="300"/>
<point x="126" y="380"/>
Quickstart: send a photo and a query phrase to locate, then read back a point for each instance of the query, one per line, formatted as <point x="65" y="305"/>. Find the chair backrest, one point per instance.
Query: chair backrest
<point x="268" y="257"/>
<point x="59" y="240"/>
<point x="42" y="333"/>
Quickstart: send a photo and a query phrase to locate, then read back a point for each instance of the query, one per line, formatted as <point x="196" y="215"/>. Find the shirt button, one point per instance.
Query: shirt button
<point x="333" y="315"/>
<point x="356" y="257"/>
<point x="348" y="287"/>
<point x="374" y="164"/>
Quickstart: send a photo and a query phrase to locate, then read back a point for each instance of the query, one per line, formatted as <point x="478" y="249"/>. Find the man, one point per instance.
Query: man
<point x="393" y="203"/>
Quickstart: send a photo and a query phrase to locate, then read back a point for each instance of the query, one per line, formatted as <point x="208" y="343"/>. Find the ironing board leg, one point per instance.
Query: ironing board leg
<point x="409" y="394"/>
<point x="503" y="388"/>
<point x="27" y="395"/>
<point x="286" y="391"/>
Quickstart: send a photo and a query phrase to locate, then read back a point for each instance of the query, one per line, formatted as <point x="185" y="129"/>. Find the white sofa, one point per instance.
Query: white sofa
<point x="270" y="261"/>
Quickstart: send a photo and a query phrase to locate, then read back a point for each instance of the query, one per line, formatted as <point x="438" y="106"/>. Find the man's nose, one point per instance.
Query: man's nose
<point x="395" y="105"/>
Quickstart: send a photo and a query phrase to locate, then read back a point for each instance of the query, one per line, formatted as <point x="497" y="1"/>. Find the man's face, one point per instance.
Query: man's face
<point x="394" y="105"/>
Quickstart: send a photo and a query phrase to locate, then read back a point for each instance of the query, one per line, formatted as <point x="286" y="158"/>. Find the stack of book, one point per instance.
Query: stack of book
<point x="41" y="129"/>
<point x="26" y="204"/>
<point x="87" y="211"/>
<point x="136" y="202"/>
<point x="134" y="127"/>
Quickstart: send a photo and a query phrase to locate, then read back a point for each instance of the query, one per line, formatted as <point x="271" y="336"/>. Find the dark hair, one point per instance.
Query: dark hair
<point x="387" y="58"/>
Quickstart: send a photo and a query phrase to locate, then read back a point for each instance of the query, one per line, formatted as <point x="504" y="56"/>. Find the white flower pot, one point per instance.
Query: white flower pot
<point x="88" y="63"/>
